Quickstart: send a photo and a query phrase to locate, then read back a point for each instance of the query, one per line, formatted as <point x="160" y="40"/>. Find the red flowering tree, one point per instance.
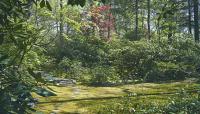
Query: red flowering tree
<point x="103" y="19"/>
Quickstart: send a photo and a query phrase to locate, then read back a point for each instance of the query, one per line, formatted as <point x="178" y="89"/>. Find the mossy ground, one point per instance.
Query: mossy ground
<point x="83" y="99"/>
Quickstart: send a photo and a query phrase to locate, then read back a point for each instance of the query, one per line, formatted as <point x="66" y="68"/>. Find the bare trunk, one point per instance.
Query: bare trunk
<point x="148" y="20"/>
<point x="189" y="17"/>
<point x="196" y="21"/>
<point x="136" y="19"/>
<point x="61" y="25"/>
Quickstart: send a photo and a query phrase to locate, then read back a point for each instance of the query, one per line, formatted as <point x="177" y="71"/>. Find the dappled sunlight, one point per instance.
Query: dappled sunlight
<point x="99" y="57"/>
<point x="70" y="101"/>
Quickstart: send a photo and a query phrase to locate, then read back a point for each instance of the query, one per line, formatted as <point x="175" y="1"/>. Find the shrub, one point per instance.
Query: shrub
<point x="130" y="35"/>
<point x="73" y="69"/>
<point x="104" y="76"/>
<point x="185" y="104"/>
<point x="156" y="61"/>
<point x="15" y="97"/>
<point x="151" y="61"/>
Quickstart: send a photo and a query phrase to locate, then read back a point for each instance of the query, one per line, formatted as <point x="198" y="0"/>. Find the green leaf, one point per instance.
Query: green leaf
<point x="48" y="6"/>
<point x="42" y="3"/>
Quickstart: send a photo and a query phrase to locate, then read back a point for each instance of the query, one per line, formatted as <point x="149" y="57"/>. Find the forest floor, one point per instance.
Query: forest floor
<point x="79" y="99"/>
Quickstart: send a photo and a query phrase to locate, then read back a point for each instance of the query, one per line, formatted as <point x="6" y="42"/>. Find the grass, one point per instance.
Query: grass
<point x="83" y="99"/>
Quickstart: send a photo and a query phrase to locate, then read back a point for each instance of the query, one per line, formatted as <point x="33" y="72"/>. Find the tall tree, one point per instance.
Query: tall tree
<point x="148" y="19"/>
<point x="196" y="20"/>
<point x="61" y="25"/>
<point x="136" y="19"/>
<point x="189" y="17"/>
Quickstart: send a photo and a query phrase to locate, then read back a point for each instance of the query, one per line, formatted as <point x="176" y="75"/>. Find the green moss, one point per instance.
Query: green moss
<point x="84" y="99"/>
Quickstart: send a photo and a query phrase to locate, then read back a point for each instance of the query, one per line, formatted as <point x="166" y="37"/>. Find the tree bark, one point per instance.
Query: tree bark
<point x="196" y="21"/>
<point x="136" y="19"/>
<point x="109" y="29"/>
<point x="189" y="18"/>
<point x="148" y="19"/>
<point x="61" y="27"/>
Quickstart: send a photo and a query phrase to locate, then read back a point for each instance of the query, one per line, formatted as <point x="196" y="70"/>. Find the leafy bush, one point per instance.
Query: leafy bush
<point x="90" y="52"/>
<point x="185" y="104"/>
<point x="15" y="97"/>
<point x="104" y="75"/>
<point x="131" y="35"/>
<point x="150" y="61"/>
<point x="81" y="55"/>
<point x="156" y="61"/>
<point x="73" y="69"/>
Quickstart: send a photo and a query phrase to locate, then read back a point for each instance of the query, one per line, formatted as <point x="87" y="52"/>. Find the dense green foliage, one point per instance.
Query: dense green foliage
<point x="129" y="61"/>
<point x="98" y="43"/>
<point x="185" y="103"/>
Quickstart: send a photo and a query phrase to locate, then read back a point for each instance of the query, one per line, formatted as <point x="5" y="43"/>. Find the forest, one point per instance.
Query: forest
<point x="99" y="57"/>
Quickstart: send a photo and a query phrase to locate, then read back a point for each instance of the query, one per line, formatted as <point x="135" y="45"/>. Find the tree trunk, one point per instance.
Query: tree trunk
<point x="148" y="19"/>
<point x="109" y="29"/>
<point x="136" y="19"/>
<point x="142" y="14"/>
<point x="196" y="23"/>
<point x="61" y="24"/>
<point x="189" y="17"/>
<point x="158" y="28"/>
<point x="36" y="14"/>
